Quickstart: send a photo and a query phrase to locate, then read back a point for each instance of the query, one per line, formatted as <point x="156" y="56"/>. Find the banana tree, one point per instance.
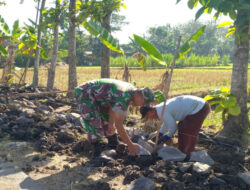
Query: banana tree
<point x="27" y="46"/>
<point x="101" y="11"/>
<point x="9" y="41"/>
<point x="157" y="56"/>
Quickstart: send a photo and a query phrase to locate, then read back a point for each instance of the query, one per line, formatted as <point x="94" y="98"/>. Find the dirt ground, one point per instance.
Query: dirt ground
<point x="58" y="155"/>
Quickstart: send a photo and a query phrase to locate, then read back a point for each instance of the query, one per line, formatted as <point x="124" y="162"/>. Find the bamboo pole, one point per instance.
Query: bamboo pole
<point x="167" y="90"/>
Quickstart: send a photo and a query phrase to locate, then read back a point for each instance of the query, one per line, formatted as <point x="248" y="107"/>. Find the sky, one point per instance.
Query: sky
<point x="141" y="14"/>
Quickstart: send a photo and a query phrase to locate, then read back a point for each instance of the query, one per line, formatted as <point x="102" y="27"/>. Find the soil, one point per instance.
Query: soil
<point x="58" y="154"/>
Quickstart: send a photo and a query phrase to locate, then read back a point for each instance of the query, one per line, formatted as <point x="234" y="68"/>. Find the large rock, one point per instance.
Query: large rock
<point x="201" y="156"/>
<point x="142" y="183"/>
<point x="245" y="177"/>
<point x="143" y="151"/>
<point x="14" y="179"/>
<point x="170" y="153"/>
<point x="145" y="145"/>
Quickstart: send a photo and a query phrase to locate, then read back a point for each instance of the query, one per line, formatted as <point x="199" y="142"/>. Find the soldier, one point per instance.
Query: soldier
<point x="103" y="104"/>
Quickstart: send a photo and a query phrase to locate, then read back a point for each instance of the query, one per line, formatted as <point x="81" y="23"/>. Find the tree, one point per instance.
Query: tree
<point x="39" y="37"/>
<point x="72" y="83"/>
<point x="27" y="46"/>
<point x="101" y="11"/>
<point x="54" y="18"/>
<point x="10" y="39"/>
<point x="236" y="127"/>
<point x="163" y="38"/>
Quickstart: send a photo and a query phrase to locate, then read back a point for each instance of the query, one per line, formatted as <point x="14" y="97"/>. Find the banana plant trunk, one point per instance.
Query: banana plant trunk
<point x="105" y="66"/>
<point x="23" y="77"/>
<point x="7" y="72"/>
<point x="39" y="38"/>
<point x="236" y="127"/>
<point x="72" y="82"/>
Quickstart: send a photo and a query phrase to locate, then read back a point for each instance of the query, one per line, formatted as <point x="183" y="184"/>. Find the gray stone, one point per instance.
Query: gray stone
<point x="109" y="153"/>
<point x="46" y="108"/>
<point x="30" y="103"/>
<point x="201" y="168"/>
<point x="23" y="121"/>
<point x="173" y="185"/>
<point x="216" y="181"/>
<point x="73" y="116"/>
<point x="28" y="112"/>
<point x="1" y="160"/>
<point x="245" y="177"/>
<point x="142" y="183"/>
<point x="184" y="166"/>
<point x="3" y="115"/>
<point x="143" y="151"/>
<point x="66" y="126"/>
<point x="60" y="116"/>
<point x="170" y="153"/>
<point x="15" y="145"/>
<point x="145" y="145"/>
<point x="12" y="178"/>
<point x="201" y="156"/>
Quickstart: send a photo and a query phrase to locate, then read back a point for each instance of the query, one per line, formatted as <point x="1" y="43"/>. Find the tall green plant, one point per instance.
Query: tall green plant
<point x="10" y="39"/>
<point x="156" y="55"/>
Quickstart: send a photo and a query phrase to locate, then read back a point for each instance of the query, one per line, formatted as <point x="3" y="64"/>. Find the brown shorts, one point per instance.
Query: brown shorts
<point x="189" y="128"/>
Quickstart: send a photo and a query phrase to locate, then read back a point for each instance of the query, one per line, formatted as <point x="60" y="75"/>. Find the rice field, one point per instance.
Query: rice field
<point x="183" y="80"/>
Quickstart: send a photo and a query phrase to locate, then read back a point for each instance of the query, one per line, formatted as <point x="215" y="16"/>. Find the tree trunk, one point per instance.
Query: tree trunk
<point x="105" y="68"/>
<point x="7" y="73"/>
<point x="52" y="69"/>
<point x="237" y="126"/>
<point x="23" y="77"/>
<point x="72" y="83"/>
<point x="39" y="37"/>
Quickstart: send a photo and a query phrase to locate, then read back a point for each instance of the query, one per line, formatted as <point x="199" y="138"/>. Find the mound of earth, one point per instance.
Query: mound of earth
<point x="59" y="155"/>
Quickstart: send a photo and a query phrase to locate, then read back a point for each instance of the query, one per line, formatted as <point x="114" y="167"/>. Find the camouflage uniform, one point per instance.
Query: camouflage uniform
<point x="94" y="99"/>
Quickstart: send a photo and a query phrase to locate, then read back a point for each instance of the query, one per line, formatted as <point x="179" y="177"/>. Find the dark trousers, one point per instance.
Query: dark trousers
<point x="189" y="128"/>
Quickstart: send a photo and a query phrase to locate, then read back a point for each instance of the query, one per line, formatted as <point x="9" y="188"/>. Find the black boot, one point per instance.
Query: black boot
<point x="97" y="149"/>
<point x="113" y="141"/>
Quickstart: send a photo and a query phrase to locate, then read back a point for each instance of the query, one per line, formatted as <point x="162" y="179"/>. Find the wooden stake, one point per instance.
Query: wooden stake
<point x="167" y="90"/>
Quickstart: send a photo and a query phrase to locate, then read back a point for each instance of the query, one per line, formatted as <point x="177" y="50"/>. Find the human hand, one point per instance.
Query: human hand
<point x="133" y="149"/>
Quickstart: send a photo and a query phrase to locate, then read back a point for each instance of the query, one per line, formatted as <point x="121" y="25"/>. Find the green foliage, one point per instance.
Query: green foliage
<point x="224" y="101"/>
<point x="3" y="51"/>
<point x="97" y="30"/>
<point x="159" y="96"/>
<point x="149" y="48"/>
<point x="186" y="47"/>
<point x="119" y="61"/>
<point x="228" y="7"/>
<point x="225" y="60"/>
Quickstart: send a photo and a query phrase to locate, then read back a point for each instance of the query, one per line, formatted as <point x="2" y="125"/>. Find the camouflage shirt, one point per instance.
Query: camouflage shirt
<point x="108" y="93"/>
